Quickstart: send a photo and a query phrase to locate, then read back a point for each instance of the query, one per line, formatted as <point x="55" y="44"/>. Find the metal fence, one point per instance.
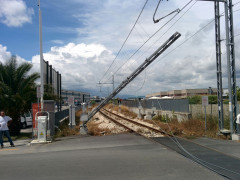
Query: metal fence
<point x="176" y="105"/>
<point x="63" y="114"/>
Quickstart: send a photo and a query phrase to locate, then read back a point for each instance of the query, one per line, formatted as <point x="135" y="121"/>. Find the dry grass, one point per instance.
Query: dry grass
<point x="92" y="125"/>
<point x="191" y="128"/>
<point x="64" y="127"/>
<point x="66" y="131"/>
<point x="140" y="130"/>
<point x="124" y="110"/>
<point x="93" y="129"/>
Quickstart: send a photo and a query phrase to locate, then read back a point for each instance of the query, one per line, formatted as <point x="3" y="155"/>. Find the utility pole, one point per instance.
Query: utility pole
<point x="230" y="48"/>
<point x="107" y="83"/>
<point x="219" y="65"/>
<point x="232" y="64"/>
<point x="41" y="56"/>
<point x="228" y="67"/>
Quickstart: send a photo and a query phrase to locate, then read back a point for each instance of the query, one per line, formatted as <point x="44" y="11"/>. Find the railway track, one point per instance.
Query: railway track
<point x="212" y="159"/>
<point x="134" y="126"/>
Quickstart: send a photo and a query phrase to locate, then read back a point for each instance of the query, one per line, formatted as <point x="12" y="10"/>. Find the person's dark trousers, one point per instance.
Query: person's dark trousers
<point x="7" y="134"/>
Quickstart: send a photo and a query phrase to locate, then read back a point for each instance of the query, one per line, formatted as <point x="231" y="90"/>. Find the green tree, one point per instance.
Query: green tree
<point x="238" y="93"/>
<point x="212" y="99"/>
<point x="17" y="90"/>
<point x="49" y="93"/>
<point x="195" y="99"/>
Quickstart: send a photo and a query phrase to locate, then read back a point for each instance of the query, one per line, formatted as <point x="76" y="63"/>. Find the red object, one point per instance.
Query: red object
<point x="35" y="108"/>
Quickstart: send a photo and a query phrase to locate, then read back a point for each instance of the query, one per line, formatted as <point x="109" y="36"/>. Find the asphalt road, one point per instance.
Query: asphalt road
<point x="125" y="156"/>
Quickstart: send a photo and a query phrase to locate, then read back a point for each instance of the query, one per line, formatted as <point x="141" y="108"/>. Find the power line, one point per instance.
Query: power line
<point x="157" y="20"/>
<point x="192" y="37"/>
<point x="167" y="30"/>
<point x="236" y="3"/>
<point x="200" y="161"/>
<point x="188" y="38"/>
<point x="153" y="35"/>
<point x="143" y="29"/>
<point x="125" y="39"/>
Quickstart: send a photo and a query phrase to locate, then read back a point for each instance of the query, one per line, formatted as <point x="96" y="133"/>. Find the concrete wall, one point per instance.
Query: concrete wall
<point x="170" y="114"/>
<point x="195" y="110"/>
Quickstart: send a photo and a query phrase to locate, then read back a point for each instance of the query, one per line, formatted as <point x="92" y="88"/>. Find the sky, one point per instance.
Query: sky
<point x="81" y="39"/>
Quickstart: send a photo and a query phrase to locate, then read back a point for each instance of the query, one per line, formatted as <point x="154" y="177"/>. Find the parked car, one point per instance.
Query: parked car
<point x="26" y="120"/>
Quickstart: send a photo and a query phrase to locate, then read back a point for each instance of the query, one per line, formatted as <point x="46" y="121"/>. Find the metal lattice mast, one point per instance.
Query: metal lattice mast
<point x="232" y="63"/>
<point x="143" y="66"/>
<point x="219" y="65"/>
<point x="229" y="66"/>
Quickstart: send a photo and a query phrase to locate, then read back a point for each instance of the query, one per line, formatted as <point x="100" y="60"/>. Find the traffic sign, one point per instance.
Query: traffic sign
<point x="38" y="92"/>
<point x="204" y="100"/>
<point x="70" y="100"/>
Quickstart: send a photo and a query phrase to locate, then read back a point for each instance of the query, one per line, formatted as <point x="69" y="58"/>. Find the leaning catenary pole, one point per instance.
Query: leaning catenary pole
<point x="144" y="65"/>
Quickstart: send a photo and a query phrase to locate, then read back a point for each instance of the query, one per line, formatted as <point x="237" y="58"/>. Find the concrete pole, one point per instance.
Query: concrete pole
<point x="41" y="56"/>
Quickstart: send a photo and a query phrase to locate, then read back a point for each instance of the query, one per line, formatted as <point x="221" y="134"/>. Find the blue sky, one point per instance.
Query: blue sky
<point x="81" y="39"/>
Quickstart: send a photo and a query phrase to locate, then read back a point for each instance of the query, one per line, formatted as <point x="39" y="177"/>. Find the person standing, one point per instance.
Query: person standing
<point x="4" y="129"/>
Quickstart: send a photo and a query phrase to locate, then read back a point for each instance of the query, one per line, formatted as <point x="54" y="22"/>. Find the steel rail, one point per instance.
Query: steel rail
<point x="136" y="123"/>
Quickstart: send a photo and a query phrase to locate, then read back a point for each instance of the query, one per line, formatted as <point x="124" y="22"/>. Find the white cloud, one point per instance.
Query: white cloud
<point x="108" y="23"/>
<point x="103" y="27"/>
<point x="79" y="64"/>
<point x="6" y="55"/>
<point x="57" y="41"/>
<point x="15" y="13"/>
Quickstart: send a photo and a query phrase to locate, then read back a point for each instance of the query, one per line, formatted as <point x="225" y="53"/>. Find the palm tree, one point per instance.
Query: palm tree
<point x="17" y="90"/>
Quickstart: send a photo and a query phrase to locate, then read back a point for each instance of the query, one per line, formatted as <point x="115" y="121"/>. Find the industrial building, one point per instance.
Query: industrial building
<point x="181" y="94"/>
<point x="79" y="97"/>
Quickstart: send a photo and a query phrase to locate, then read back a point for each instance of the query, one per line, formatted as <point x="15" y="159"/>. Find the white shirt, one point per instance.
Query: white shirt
<point x="238" y="119"/>
<point x="3" y="122"/>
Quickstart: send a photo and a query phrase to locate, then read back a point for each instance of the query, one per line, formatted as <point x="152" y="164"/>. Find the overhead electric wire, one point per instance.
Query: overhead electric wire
<point x="200" y="161"/>
<point x="157" y="20"/>
<point x="143" y="29"/>
<point x="190" y="38"/>
<point x="236" y="3"/>
<point x="166" y="31"/>
<point x="144" y="80"/>
<point x="186" y="40"/>
<point x="153" y="36"/>
<point x="125" y="39"/>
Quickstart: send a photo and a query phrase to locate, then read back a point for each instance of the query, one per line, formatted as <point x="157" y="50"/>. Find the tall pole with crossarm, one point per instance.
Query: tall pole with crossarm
<point x="230" y="48"/>
<point x="41" y="56"/>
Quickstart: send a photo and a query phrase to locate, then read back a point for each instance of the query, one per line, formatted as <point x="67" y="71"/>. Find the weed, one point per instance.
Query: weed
<point x="95" y="130"/>
<point x="140" y="130"/>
